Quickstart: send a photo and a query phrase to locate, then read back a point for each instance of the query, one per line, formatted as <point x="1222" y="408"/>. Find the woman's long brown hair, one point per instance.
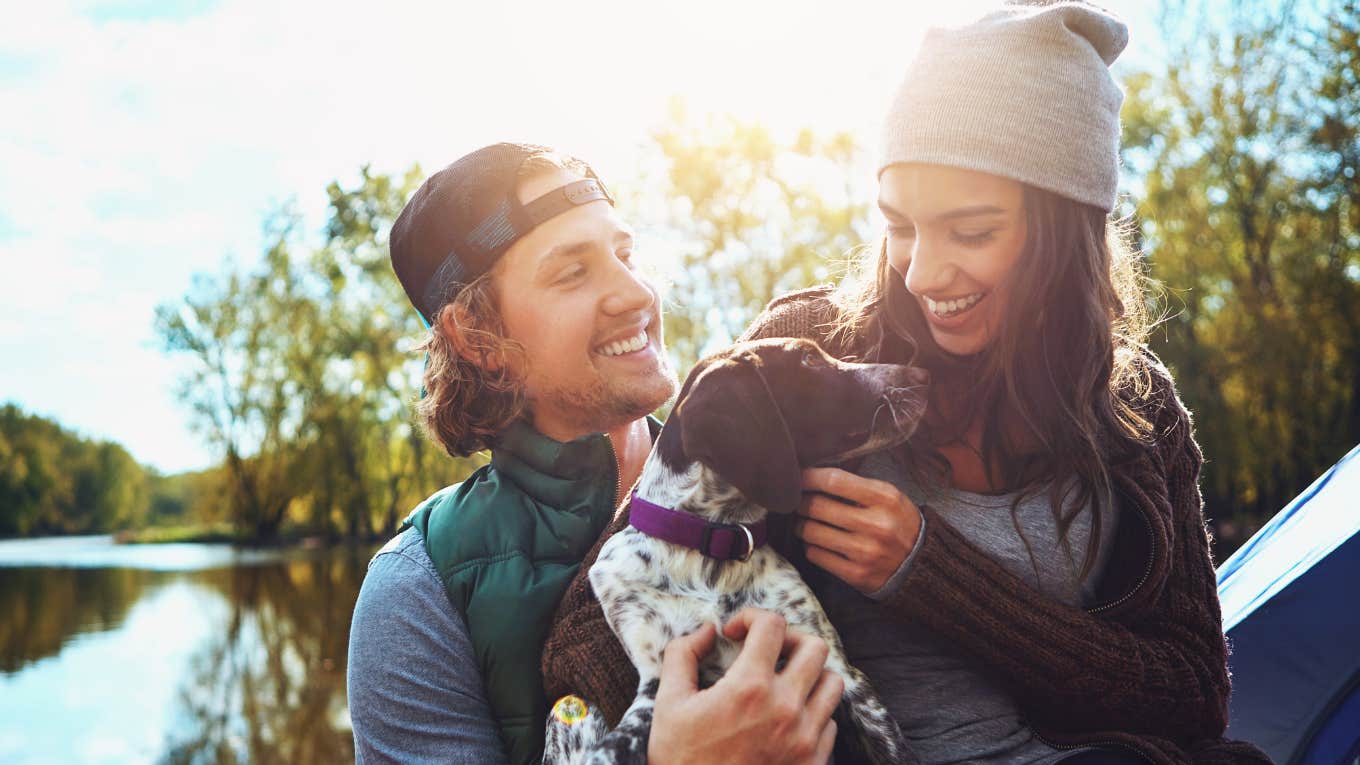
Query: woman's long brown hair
<point x="1047" y="388"/>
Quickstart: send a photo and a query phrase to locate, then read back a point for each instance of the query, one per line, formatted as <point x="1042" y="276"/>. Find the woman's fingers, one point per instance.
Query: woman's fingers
<point x="831" y="511"/>
<point x="847" y="485"/>
<point x="842" y="568"/>
<point x="817" y="533"/>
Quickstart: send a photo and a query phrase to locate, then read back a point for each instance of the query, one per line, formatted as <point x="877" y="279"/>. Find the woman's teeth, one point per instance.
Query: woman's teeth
<point x="620" y="347"/>
<point x="947" y="308"/>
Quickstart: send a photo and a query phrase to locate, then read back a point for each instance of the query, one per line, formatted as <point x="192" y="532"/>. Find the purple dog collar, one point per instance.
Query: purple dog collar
<point x="724" y="541"/>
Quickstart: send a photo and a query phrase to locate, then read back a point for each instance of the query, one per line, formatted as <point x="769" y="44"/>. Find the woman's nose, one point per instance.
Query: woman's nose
<point x="929" y="269"/>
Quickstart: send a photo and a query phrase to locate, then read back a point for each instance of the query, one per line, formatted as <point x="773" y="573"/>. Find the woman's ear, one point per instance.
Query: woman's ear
<point x="459" y="327"/>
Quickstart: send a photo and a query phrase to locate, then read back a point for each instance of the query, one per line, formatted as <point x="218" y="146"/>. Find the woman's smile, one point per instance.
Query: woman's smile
<point x="949" y="310"/>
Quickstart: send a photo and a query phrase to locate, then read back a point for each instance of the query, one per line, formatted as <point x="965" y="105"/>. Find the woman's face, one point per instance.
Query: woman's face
<point x="954" y="235"/>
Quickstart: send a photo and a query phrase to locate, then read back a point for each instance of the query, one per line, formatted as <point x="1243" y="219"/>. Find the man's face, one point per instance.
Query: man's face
<point x="589" y="323"/>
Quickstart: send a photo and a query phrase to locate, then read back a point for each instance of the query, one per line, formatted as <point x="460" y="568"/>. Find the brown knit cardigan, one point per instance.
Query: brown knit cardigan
<point x="1146" y="669"/>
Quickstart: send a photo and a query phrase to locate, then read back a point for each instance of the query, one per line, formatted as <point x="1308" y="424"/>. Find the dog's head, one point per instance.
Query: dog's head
<point x="759" y="412"/>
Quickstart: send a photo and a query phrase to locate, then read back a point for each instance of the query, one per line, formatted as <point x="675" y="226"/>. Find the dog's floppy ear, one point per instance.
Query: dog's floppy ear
<point x="731" y="423"/>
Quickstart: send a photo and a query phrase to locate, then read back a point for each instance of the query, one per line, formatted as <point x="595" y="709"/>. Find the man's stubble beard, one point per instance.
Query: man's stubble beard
<point x="599" y="409"/>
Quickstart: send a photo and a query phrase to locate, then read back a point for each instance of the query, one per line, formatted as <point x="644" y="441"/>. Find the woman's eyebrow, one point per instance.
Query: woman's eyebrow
<point x="955" y="214"/>
<point x="969" y="212"/>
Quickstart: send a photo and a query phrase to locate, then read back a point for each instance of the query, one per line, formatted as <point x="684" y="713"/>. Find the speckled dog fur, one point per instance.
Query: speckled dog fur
<point x="653" y="591"/>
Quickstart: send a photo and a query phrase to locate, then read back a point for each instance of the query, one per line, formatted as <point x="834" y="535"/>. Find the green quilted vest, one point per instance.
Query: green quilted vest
<point x="506" y="543"/>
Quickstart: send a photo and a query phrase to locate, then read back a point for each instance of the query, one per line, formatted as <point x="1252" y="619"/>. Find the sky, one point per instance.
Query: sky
<point x="144" y="141"/>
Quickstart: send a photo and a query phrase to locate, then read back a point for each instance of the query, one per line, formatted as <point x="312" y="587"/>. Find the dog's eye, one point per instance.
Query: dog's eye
<point x="811" y="360"/>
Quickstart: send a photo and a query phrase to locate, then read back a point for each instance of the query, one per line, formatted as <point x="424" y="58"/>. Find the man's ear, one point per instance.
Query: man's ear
<point x="459" y="327"/>
<point x="730" y="423"/>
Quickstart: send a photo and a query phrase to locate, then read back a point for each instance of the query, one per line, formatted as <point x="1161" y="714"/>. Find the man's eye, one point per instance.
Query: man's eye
<point x="626" y="256"/>
<point x="571" y="275"/>
<point x="901" y="232"/>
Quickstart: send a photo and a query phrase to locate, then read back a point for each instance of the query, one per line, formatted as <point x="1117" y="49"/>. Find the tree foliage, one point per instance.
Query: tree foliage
<point x="1242" y="158"/>
<point x="1245" y="149"/>
<point x="747" y="216"/>
<point x="53" y="481"/>
<point x="302" y="375"/>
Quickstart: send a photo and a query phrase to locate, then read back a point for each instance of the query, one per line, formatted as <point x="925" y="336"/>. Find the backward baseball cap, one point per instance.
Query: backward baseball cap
<point x="465" y="217"/>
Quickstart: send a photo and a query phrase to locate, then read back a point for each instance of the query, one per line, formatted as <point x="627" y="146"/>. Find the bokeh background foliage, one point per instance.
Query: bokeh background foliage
<point x="1242" y="172"/>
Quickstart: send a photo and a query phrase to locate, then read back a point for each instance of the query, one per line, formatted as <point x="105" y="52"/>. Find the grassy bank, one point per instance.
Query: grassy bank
<point x="214" y="532"/>
<point x="224" y="533"/>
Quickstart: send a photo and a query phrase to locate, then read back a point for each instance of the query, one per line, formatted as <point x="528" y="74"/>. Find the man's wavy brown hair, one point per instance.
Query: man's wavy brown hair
<point x="473" y="394"/>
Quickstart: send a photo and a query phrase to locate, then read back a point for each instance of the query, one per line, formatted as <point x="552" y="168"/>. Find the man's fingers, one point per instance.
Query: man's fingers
<point x="806" y="658"/>
<point x="826" y="743"/>
<point x="680" y="661"/>
<point x="765" y="637"/>
<point x="826" y="695"/>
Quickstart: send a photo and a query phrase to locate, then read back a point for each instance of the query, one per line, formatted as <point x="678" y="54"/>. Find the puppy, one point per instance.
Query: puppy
<point x="746" y="423"/>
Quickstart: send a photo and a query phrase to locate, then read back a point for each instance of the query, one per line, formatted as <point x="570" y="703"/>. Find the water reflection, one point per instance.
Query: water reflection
<point x="44" y="607"/>
<point x="219" y="664"/>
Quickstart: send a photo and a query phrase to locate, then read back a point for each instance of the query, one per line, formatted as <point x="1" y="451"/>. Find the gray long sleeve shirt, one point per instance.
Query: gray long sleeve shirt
<point x="415" y="692"/>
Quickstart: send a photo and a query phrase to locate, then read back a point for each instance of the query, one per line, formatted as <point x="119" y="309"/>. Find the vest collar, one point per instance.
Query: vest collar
<point x="570" y="475"/>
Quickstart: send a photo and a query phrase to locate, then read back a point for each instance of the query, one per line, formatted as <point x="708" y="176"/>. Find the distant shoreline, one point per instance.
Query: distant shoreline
<point x="209" y="534"/>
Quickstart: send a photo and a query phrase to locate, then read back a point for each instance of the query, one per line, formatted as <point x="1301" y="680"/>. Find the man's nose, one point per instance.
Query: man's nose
<point x="629" y="291"/>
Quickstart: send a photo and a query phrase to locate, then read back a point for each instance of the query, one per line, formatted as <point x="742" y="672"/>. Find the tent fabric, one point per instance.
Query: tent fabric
<point x="1291" y="612"/>
<point x="1337" y="740"/>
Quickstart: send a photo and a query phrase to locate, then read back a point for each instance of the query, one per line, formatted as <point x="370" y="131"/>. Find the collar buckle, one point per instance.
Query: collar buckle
<point x="706" y="540"/>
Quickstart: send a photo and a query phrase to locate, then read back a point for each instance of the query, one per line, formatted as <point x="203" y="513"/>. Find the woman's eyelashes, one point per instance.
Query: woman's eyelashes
<point x="965" y="238"/>
<point x="974" y="239"/>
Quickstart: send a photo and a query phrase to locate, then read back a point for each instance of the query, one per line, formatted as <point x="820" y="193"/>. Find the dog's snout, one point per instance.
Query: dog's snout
<point x="912" y="377"/>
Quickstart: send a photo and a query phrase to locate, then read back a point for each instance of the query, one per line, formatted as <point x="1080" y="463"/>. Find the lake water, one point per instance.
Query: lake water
<point x="180" y="653"/>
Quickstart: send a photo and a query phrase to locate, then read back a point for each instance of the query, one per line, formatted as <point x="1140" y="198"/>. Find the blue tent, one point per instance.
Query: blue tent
<point x="1291" y="611"/>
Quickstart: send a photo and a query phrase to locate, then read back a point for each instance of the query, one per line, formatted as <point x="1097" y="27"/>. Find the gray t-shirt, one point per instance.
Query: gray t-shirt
<point x="415" y="692"/>
<point x="947" y="705"/>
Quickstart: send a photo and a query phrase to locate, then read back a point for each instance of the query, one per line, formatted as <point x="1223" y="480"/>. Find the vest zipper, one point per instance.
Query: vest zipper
<point x="618" y="477"/>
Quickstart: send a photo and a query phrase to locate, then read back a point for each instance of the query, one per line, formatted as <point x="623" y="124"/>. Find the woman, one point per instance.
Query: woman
<point x="1029" y="579"/>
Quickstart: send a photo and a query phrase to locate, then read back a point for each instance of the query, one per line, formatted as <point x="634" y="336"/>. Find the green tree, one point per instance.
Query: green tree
<point x="1240" y="150"/>
<point x="247" y="334"/>
<point x="303" y="374"/>
<point x="748" y="216"/>
<point x="54" y="481"/>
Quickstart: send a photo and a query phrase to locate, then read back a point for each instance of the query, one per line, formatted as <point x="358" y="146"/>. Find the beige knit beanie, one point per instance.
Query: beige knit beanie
<point x="1024" y="92"/>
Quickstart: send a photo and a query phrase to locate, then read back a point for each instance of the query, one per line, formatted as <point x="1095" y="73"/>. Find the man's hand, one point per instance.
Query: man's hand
<point x="861" y="532"/>
<point x="754" y="714"/>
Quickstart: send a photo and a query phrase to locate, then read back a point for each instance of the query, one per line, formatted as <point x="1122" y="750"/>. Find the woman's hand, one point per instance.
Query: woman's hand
<point x="857" y="528"/>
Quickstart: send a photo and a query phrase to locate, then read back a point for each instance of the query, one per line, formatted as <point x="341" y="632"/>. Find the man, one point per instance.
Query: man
<point x="545" y="346"/>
